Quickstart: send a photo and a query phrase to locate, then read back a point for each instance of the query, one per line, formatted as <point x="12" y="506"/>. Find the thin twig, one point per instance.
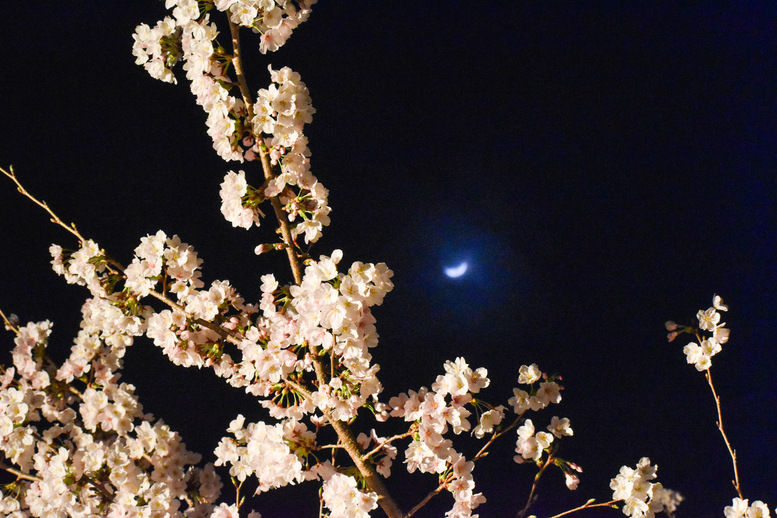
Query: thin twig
<point x="333" y="446"/>
<point x="54" y="218"/>
<point x="239" y="486"/>
<point x="427" y="498"/>
<point x="495" y="436"/>
<point x="588" y="505"/>
<point x="8" y="324"/>
<point x="380" y="446"/>
<point x="732" y="452"/>
<point x="530" y="500"/>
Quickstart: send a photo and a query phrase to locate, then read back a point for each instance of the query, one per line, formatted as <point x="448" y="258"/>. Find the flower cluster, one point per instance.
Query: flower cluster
<point x="740" y="508"/>
<point x="190" y="36"/>
<point x="233" y="189"/>
<point x="261" y="450"/>
<point x="84" y="267"/>
<point x="538" y="397"/>
<point x="273" y="19"/>
<point x="700" y="354"/>
<point x="444" y="408"/>
<point x="344" y="500"/>
<point x="531" y="443"/>
<point x="641" y="497"/>
<point x="90" y="452"/>
<point x="282" y="110"/>
<point x="539" y="446"/>
<point x="238" y="127"/>
<point x="155" y="49"/>
<point x="436" y="412"/>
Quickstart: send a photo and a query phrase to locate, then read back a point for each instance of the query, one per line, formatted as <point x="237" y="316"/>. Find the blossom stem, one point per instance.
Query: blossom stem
<point x="732" y="452"/>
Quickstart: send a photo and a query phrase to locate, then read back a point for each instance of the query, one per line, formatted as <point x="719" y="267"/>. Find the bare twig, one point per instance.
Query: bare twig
<point x="530" y="500"/>
<point x="588" y="505"/>
<point x="427" y="498"/>
<point x="495" y="436"/>
<point x="332" y="446"/>
<point x="380" y="446"/>
<point x="732" y="452"/>
<point x="54" y="218"/>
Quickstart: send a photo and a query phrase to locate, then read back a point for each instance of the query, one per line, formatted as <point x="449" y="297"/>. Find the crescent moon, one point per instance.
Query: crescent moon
<point x="456" y="271"/>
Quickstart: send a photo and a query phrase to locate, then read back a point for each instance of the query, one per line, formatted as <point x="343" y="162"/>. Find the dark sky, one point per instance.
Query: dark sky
<point x="603" y="169"/>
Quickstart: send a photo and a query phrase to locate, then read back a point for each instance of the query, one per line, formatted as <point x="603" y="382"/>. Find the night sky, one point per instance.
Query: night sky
<point x="602" y="169"/>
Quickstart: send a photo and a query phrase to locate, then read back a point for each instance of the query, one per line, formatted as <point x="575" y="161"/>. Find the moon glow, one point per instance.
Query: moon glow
<point x="456" y="271"/>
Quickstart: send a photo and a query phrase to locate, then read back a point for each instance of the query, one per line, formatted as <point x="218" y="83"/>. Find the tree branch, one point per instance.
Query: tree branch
<point x="344" y="432"/>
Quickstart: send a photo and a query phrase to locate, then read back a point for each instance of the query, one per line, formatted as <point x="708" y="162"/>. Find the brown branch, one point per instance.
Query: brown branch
<point x="237" y="62"/>
<point x="344" y="432"/>
<point x="264" y="156"/>
<point x="349" y="444"/>
<point x="19" y="474"/>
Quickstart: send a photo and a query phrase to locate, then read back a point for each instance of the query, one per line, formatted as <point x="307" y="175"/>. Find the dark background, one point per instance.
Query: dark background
<point x="603" y="168"/>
